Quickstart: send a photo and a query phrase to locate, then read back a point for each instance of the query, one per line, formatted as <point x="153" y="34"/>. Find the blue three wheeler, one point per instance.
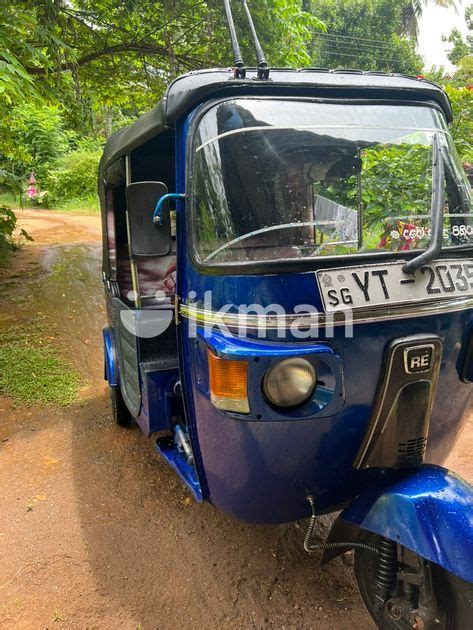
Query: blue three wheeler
<point x="289" y="286"/>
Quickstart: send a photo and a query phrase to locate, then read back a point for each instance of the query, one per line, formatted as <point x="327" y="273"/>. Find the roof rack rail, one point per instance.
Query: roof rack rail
<point x="314" y="70"/>
<point x="240" y="69"/>
<point x="347" y="71"/>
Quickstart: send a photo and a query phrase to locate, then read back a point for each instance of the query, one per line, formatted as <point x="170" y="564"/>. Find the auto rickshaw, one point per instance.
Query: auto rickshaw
<point x="288" y="272"/>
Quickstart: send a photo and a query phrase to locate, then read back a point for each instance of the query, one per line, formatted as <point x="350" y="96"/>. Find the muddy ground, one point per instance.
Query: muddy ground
<point x="95" y="530"/>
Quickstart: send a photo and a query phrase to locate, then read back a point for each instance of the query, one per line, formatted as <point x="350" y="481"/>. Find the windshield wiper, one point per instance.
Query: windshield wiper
<point x="437" y="210"/>
<point x="239" y="64"/>
<point x="263" y="68"/>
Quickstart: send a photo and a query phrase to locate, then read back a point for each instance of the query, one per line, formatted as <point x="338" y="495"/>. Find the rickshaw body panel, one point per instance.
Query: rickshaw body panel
<point x="428" y="510"/>
<point x="260" y="470"/>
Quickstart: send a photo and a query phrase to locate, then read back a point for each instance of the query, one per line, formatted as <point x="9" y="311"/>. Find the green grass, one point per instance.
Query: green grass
<point x="86" y="205"/>
<point x="8" y="199"/>
<point x="31" y="371"/>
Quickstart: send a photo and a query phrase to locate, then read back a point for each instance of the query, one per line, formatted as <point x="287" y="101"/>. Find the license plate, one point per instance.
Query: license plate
<point x="348" y="288"/>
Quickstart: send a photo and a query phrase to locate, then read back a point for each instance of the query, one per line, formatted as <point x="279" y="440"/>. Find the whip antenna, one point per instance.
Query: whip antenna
<point x="240" y="70"/>
<point x="263" y="69"/>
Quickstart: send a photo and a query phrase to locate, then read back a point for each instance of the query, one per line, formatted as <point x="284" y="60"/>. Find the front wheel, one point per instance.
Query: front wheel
<point x="402" y="590"/>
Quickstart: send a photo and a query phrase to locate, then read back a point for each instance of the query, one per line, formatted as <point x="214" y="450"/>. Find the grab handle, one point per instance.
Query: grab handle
<point x="158" y="211"/>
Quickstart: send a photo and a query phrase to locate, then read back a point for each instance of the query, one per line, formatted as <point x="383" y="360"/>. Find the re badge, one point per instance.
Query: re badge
<point x="418" y="359"/>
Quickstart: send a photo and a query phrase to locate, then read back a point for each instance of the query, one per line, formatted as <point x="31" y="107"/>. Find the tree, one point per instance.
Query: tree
<point x="364" y="34"/>
<point x="88" y="66"/>
<point x="413" y="12"/>
<point x="461" y="52"/>
<point x="459" y="88"/>
<point x="461" y="129"/>
<point x="102" y="62"/>
<point x="460" y="48"/>
<point x="15" y="82"/>
<point x="106" y="55"/>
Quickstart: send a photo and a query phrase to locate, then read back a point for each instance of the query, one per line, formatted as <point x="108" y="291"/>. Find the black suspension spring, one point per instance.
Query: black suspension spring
<point x="386" y="571"/>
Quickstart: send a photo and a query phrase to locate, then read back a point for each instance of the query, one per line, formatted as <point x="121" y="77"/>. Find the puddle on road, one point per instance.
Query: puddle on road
<point x="67" y="298"/>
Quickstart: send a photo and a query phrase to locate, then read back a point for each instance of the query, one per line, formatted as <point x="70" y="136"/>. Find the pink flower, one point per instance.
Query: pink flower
<point x="32" y="191"/>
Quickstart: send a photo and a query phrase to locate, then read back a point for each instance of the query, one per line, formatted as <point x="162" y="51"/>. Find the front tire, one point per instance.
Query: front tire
<point x="452" y="603"/>
<point x="120" y="412"/>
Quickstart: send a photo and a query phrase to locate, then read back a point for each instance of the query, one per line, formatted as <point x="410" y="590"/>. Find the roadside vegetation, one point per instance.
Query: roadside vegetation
<point x="73" y="72"/>
<point x="31" y="369"/>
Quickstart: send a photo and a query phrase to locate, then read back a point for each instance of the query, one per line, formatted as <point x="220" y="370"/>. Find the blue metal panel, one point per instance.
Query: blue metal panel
<point x="286" y="289"/>
<point x="243" y="348"/>
<point x="156" y="412"/>
<point x="111" y="371"/>
<point x="182" y="131"/>
<point x="327" y="399"/>
<point x="185" y="471"/>
<point x="260" y="470"/>
<point x="429" y="511"/>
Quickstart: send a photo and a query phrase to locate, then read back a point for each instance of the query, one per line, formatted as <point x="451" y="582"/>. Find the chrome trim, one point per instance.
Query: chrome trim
<point x="324" y="320"/>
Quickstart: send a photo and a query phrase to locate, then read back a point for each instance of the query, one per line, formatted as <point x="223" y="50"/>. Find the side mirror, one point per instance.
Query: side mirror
<point x="146" y="237"/>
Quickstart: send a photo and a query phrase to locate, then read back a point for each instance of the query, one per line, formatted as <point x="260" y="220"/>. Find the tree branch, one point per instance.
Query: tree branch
<point x="140" y="47"/>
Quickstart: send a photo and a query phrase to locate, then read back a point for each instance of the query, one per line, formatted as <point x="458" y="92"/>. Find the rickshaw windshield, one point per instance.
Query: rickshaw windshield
<point x="278" y="179"/>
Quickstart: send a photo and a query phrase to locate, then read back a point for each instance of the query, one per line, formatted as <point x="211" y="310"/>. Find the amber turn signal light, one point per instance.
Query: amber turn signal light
<point x="228" y="384"/>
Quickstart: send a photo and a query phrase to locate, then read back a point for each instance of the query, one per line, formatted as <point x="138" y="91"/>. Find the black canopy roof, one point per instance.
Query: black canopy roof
<point x="188" y="90"/>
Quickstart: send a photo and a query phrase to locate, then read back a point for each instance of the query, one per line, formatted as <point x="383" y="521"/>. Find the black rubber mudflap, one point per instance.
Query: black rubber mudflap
<point x="126" y="343"/>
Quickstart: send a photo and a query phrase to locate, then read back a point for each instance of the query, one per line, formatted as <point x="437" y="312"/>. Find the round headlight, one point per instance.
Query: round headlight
<point x="290" y="382"/>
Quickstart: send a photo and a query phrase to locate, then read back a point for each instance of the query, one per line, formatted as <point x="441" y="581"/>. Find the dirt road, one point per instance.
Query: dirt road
<point x="95" y="530"/>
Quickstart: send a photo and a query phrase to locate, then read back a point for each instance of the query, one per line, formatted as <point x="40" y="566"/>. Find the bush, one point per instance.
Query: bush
<point x="75" y="176"/>
<point x="38" y="139"/>
<point x="462" y="126"/>
<point x="7" y="227"/>
<point x="8" y="224"/>
<point x="65" y="164"/>
<point x="396" y="179"/>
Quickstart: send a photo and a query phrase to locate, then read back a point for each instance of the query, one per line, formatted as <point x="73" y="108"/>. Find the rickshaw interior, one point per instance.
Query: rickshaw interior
<point x="152" y="160"/>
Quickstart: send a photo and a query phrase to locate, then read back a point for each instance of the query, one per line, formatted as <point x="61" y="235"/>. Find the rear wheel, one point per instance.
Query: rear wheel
<point x="120" y="412"/>
<point x="402" y="590"/>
